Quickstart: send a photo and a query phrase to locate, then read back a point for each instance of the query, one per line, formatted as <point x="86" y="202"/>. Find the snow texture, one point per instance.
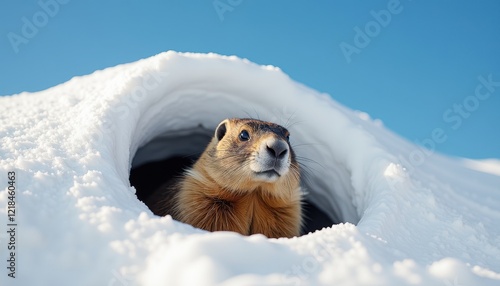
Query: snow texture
<point x="411" y="216"/>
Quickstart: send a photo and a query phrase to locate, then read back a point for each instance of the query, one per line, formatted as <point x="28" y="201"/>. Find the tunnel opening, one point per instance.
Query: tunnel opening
<point x="165" y="158"/>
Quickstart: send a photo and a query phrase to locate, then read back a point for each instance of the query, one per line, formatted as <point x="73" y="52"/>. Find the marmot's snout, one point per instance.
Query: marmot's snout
<point x="277" y="149"/>
<point x="271" y="160"/>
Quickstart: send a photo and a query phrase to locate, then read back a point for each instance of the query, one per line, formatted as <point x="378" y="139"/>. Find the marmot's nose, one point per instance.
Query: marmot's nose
<point x="277" y="149"/>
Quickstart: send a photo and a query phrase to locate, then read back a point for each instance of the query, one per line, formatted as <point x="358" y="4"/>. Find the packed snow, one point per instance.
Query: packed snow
<point x="411" y="216"/>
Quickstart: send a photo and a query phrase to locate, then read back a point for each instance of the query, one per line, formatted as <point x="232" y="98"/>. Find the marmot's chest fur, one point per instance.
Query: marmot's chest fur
<point x="247" y="180"/>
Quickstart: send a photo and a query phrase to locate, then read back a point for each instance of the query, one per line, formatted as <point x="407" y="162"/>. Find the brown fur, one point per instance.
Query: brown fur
<point x="220" y="192"/>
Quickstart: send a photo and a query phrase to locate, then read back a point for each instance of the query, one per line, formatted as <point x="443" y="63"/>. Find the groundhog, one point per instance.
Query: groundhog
<point x="247" y="180"/>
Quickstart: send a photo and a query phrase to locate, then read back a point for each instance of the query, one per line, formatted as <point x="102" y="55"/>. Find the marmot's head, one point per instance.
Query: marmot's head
<point x="247" y="153"/>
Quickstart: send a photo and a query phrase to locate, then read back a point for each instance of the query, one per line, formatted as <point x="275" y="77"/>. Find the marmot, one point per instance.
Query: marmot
<point x="247" y="180"/>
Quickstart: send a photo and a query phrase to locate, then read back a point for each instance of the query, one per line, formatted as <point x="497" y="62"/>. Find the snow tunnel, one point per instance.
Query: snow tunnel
<point x="173" y="130"/>
<point x="167" y="155"/>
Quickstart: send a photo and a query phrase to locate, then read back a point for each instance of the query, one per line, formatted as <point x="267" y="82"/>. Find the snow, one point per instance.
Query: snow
<point x="411" y="216"/>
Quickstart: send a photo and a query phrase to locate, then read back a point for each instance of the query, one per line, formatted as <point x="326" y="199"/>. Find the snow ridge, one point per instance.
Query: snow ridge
<point x="80" y="223"/>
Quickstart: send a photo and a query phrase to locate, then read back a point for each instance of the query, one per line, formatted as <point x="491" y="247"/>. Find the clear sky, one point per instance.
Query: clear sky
<point x="413" y="64"/>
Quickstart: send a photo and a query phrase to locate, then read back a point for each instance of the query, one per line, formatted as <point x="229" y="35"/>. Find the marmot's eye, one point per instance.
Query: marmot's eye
<point x="288" y="137"/>
<point x="244" y="136"/>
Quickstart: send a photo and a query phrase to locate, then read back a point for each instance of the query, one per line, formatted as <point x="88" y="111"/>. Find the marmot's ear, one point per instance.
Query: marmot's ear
<point x="221" y="130"/>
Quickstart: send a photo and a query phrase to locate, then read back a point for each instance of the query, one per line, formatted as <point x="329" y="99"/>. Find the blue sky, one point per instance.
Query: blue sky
<point x="413" y="64"/>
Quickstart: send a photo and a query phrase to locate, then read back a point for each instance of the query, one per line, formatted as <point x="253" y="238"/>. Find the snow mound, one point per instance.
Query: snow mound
<point x="410" y="216"/>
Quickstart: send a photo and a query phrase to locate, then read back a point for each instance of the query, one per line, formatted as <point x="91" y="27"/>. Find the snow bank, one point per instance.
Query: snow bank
<point x="429" y="220"/>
